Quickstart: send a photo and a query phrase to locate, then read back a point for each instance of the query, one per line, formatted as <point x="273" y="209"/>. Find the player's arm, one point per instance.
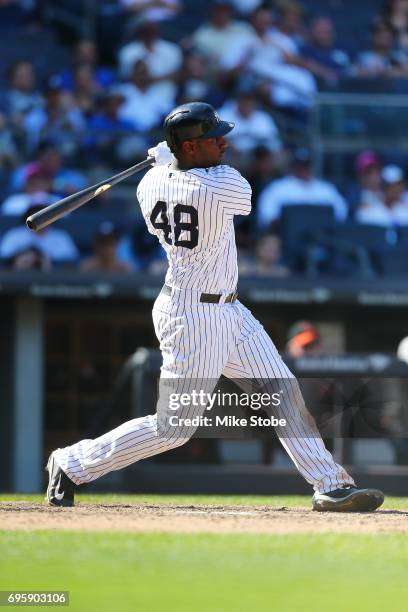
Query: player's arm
<point x="232" y="190"/>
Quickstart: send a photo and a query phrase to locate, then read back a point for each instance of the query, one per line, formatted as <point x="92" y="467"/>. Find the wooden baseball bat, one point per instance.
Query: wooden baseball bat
<point x="51" y="213"/>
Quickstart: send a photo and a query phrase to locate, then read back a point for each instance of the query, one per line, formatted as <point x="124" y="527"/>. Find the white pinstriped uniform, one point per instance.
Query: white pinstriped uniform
<point x="191" y="212"/>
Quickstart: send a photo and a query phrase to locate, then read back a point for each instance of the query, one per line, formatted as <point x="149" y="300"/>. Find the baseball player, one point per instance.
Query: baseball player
<point x="189" y="200"/>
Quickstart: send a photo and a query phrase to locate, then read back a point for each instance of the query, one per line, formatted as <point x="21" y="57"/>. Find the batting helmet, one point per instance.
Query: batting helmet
<point x="191" y="121"/>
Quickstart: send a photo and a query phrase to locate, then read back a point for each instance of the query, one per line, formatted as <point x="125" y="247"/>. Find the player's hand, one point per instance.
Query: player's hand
<point x="161" y="154"/>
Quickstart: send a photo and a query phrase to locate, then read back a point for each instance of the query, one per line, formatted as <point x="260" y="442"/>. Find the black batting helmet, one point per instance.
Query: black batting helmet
<point x="193" y="120"/>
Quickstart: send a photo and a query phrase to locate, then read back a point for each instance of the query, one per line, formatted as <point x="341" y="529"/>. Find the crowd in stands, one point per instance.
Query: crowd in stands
<point x="259" y="63"/>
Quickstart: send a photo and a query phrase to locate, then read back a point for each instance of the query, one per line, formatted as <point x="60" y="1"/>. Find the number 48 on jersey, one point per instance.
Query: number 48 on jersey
<point x="160" y="221"/>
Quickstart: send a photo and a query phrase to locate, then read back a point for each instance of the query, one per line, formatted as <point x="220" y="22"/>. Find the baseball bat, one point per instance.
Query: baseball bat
<point x="55" y="211"/>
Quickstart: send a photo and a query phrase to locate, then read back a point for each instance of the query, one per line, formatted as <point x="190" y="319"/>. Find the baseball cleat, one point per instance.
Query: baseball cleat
<point x="348" y="499"/>
<point x="61" y="489"/>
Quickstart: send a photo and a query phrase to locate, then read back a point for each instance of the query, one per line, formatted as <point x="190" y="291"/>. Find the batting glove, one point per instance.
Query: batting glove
<point x="161" y="154"/>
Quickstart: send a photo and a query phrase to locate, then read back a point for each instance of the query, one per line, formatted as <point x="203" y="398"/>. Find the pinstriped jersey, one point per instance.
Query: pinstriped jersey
<point x="192" y="212"/>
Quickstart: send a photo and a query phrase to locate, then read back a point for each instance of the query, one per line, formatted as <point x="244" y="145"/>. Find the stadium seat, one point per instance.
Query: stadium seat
<point x="392" y="261"/>
<point x="299" y="226"/>
<point x="83" y="226"/>
<point x="7" y="222"/>
<point x="373" y="237"/>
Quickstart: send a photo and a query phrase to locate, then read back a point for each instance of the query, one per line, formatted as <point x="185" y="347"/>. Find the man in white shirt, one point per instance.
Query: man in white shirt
<point x="269" y="55"/>
<point x="298" y="187"/>
<point x="253" y="127"/>
<point x="392" y="210"/>
<point x="37" y="185"/>
<point x="56" y="244"/>
<point x="216" y="37"/>
<point x="145" y="104"/>
<point x="162" y="57"/>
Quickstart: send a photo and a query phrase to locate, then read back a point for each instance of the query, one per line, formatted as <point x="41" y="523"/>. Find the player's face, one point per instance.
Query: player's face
<point x="206" y="152"/>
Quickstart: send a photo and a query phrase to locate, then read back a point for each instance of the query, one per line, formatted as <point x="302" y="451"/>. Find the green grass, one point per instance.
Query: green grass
<point x="150" y="572"/>
<point x="209" y="572"/>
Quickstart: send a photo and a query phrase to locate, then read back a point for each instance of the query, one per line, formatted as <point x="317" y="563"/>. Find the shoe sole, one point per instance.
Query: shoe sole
<point x="366" y="500"/>
<point x="49" y="468"/>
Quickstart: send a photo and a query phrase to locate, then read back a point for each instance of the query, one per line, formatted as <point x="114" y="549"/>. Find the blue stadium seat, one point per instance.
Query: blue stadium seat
<point x="83" y="225"/>
<point x="373" y="237"/>
<point x="392" y="261"/>
<point x="388" y="255"/>
<point x="299" y="225"/>
<point x="7" y="222"/>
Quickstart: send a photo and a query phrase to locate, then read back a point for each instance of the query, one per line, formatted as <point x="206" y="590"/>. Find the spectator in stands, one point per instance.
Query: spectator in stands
<point x="267" y="259"/>
<point x="303" y="339"/>
<point x="145" y="102"/>
<point x="108" y="137"/>
<point x="290" y="30"/>
<point x="393" y="209"/>
<point x="60" y="120"/>
<point x="323" y="58"/>
<point x="105" y="257"/>
<point x="368" y="189"/>
<point x="194" y="82"/>
<point x="30" y="259"/>
<point x="153" y="10"/>
<point x="253" y="126"/>
<point x="22" y="94"/>
<point x="55" y="244"/>
<point x="86" y="54"/>
<point x="222" y="32"/>
<point x="37" y="184"/>
<point x="245" y="7"/>
<point x="50" y="161"/>
<point x="383" y="60"/>
<point x="86" y="89"/>
<point x="141" y="250"/>
<point x="266" y="60"/>
<point x="264" y="167"/>
<point x="163" y="58"/>
<point x="395" y="14"/>
<point x="300" y="186"/>
<point x="8" y="150"/>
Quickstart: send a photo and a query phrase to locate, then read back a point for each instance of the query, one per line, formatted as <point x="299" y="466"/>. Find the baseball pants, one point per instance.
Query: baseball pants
<point x="200" y="342"/>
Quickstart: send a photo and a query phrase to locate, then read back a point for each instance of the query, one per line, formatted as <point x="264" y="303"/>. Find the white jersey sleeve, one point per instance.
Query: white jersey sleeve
<point x="231" y="189"/>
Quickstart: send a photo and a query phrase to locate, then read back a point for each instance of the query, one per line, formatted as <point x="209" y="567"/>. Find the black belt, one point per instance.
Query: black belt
<point x="210" y="298"/>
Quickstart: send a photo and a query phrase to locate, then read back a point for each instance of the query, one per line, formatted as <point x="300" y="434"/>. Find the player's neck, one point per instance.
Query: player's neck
<point x="184" y="164"/>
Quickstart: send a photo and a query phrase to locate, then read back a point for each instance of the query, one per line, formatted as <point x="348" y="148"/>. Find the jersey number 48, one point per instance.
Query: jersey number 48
<point x="160" y="221"/>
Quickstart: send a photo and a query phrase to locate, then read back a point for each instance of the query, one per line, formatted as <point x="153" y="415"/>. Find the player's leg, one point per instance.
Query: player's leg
<point x="256" y="358"/>
<point x="195" y="342"/>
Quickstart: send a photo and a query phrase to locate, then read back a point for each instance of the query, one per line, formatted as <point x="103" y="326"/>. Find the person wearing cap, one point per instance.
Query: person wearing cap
<point x="145" y="102"/>
<point x="60" y="118"/>
<point x="253" y="126"/>
<point x="37" y="182"/>
<point x="22" y="94"/>
<point x="392" y="209"/>
<point x="86" y="53"/>
<point x="299" y="186"/>
<point x="163" y="58"/>
<point x="221" y="33"/>
<point x="367" y="188"/>
<point x="303" y="339"/>
<point x="110" y="137"/>
<point x="105" y="257"/>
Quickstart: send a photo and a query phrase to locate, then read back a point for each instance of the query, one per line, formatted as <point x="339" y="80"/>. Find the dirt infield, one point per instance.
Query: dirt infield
<point x="196" y="519"/>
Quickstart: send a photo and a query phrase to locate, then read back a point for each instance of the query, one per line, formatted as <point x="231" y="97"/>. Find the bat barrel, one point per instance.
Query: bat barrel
<point x="52" y="213"/>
